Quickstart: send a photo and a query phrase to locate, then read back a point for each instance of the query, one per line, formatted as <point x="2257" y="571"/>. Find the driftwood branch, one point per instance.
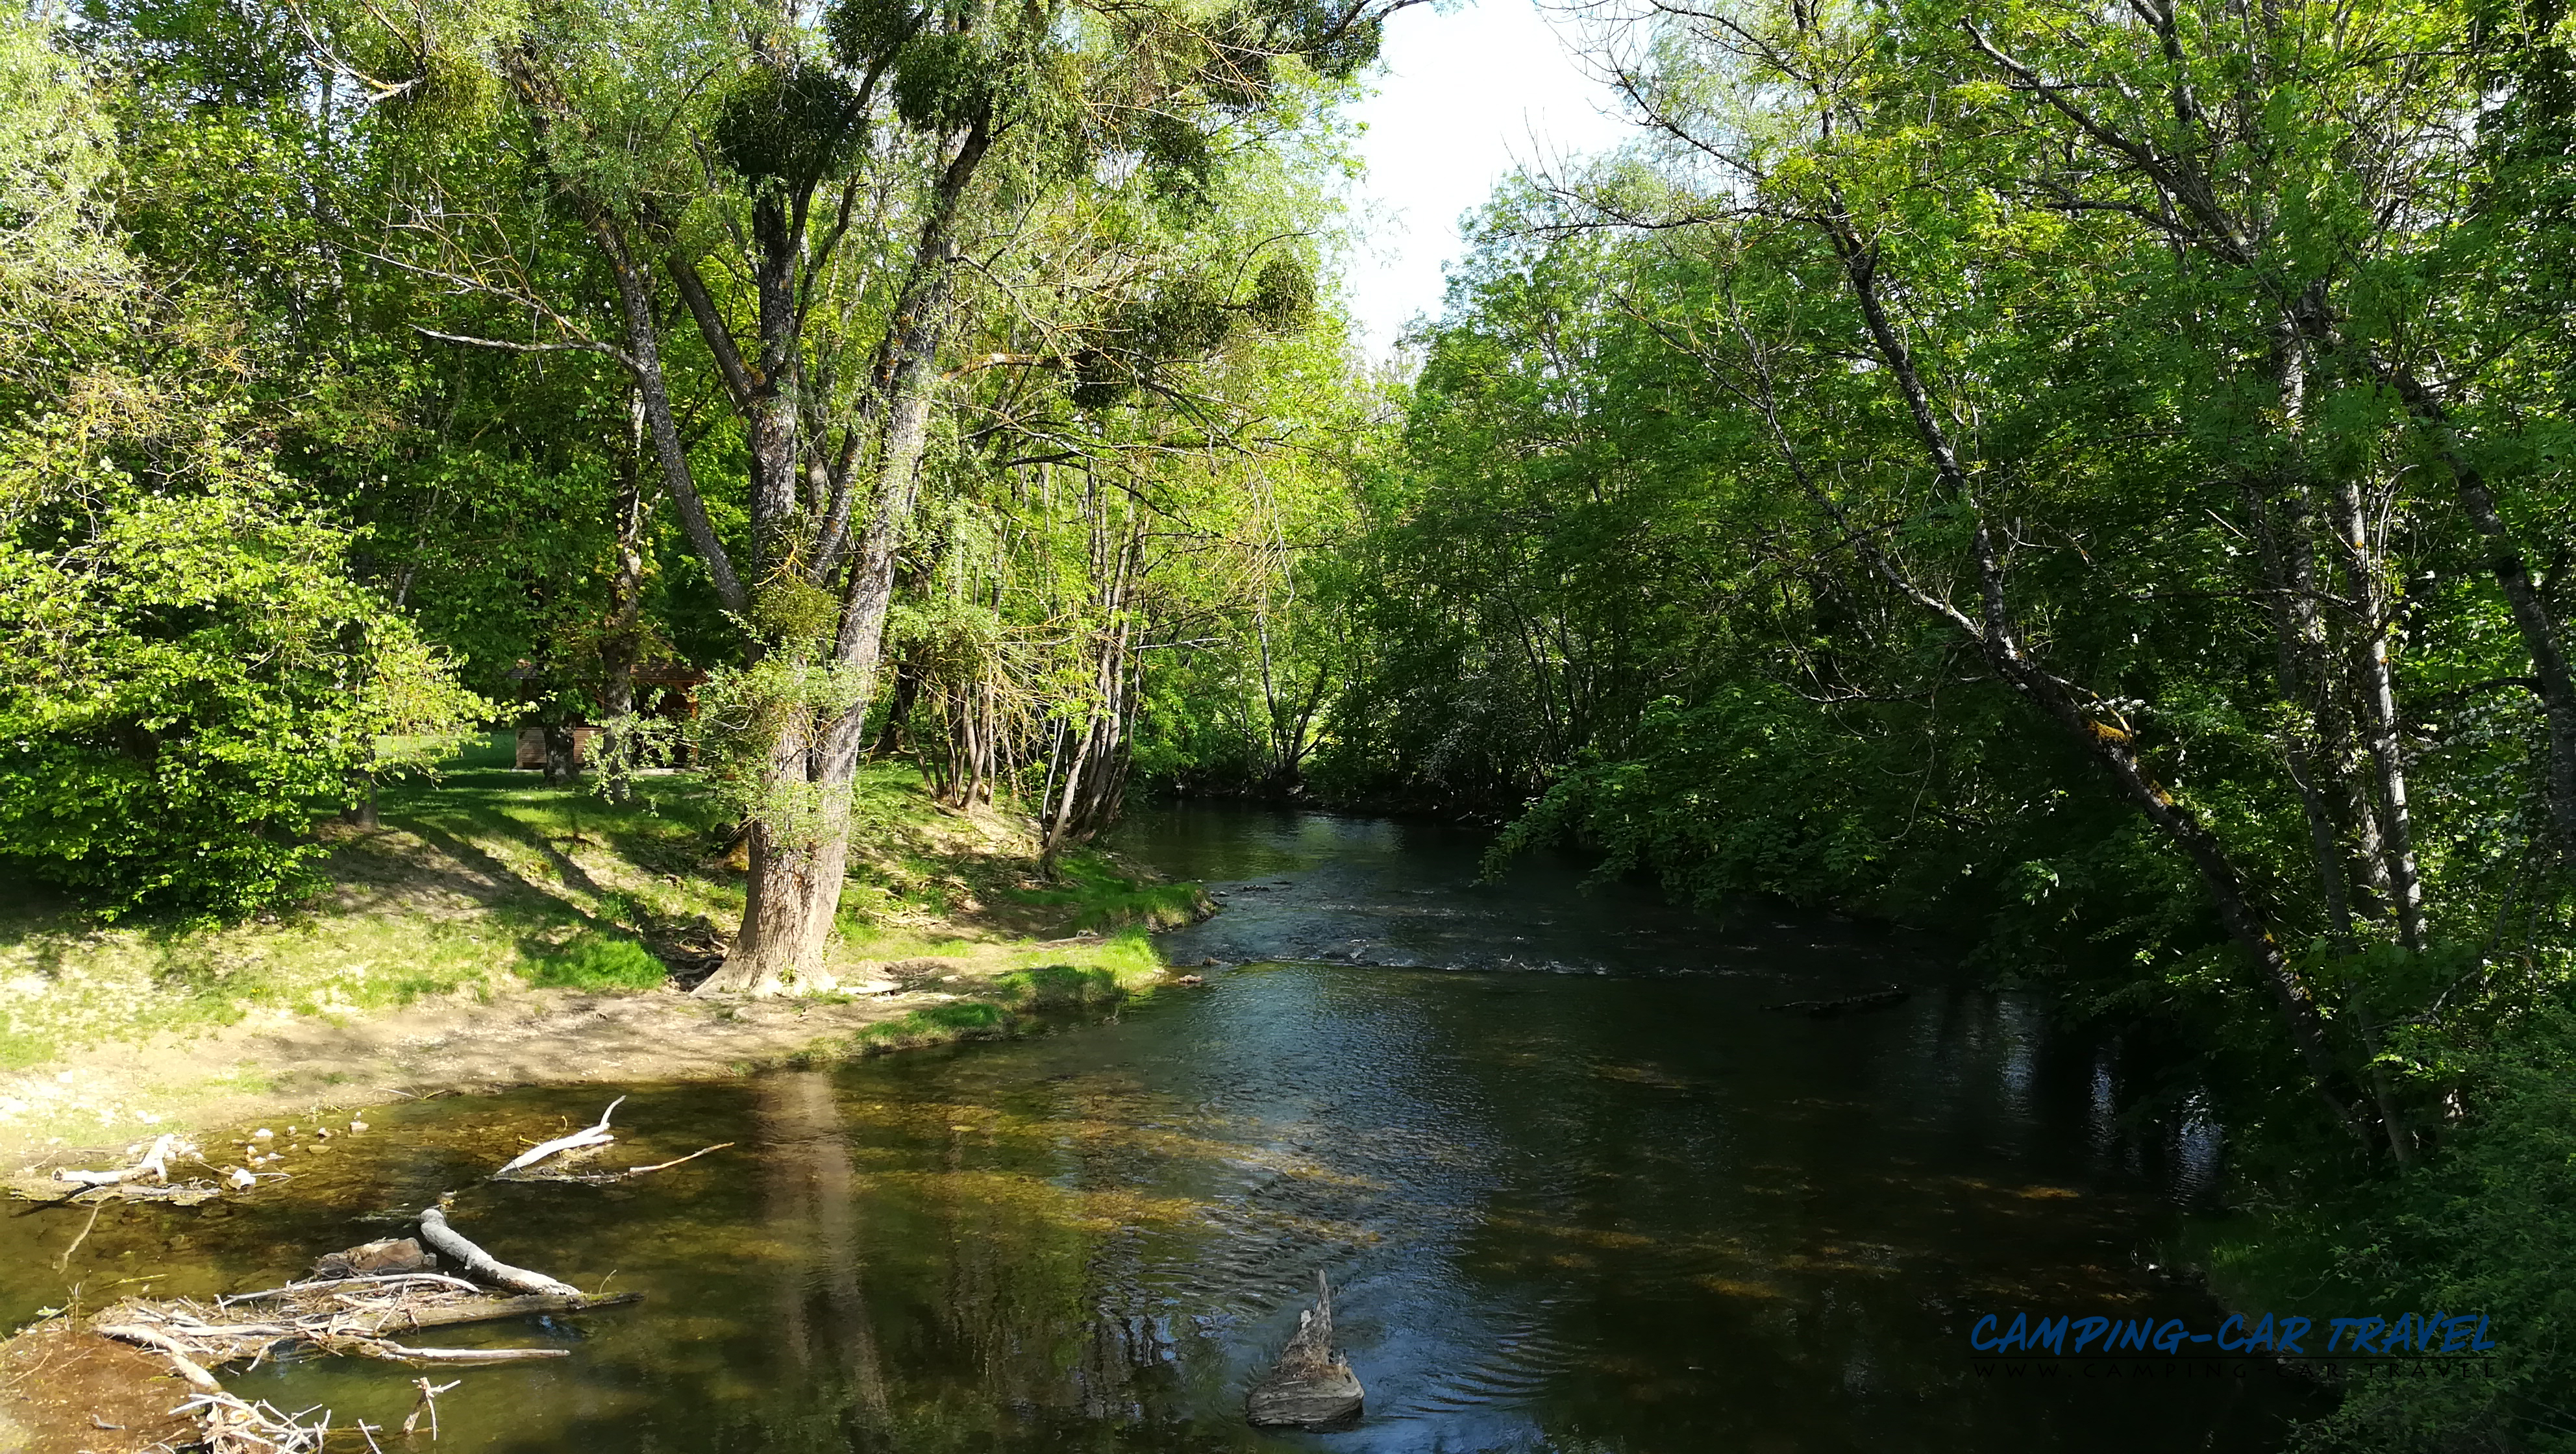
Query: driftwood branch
<point x="397" y="1353"/>
<point x="603" y="1178"/>
<point x="297" y="1289"/>
<point x="235" y="1427"/>
<point x="155" y="1165"/>
<point x="598" y="1135"/>
<point x="356" y="1315"/>
<point x="428" y="1403"/>
<point x="47" y="1191"/>
<point x="482" y="1266"/>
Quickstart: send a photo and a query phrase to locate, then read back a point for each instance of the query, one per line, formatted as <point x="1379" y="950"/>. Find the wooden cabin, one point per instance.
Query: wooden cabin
<point x="664" y="692"/>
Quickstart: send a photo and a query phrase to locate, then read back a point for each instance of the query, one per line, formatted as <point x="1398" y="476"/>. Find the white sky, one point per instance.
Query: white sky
<point x="1467" y="96"/>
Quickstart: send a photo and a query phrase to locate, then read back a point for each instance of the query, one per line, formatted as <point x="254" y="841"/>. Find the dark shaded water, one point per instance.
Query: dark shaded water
<point x="1606" y="1204"/>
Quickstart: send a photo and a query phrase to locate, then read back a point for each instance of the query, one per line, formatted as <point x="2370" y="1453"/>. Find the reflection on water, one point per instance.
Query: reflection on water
<point x="1615" y="1210"/>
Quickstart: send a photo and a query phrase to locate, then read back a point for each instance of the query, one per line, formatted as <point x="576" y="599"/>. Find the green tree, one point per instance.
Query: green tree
<point x="191" y="668"/>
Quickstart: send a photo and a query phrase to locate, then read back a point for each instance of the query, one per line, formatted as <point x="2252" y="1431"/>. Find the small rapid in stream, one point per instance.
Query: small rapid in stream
<point x="1576" y="1190"/>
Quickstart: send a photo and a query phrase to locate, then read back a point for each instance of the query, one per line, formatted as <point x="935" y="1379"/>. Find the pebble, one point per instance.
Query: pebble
<point x="263" y="1134"/>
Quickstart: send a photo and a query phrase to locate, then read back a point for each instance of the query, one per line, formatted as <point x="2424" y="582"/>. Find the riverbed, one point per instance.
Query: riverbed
<point x="1574" y="1187"/>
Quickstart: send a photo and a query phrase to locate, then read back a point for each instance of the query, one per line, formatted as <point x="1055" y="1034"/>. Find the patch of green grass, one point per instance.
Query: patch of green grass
<point x="595" y="961"/>
<point x="1051" y="985"/>
<point x="936" y="1025"/>
<point x="2252" y="1264"/>
<point x="1098" y="897"/>
<point x="1128" y="957"/>
<point x="63" y="986"/>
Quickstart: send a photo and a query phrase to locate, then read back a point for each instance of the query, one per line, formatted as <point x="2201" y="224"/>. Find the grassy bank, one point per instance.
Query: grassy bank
<point x="487" y="886"/>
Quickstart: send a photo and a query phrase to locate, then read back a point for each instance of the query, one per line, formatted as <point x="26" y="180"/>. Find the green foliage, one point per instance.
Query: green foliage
<point x="865" y="31"/>
<point x="1734" y="548"/>
<point x="2489" y="1227"/>
<point x="2485" y="1228"/>
<point x="1283" y="294"/>
<point x="197" y="674"/>
<point x="194" y="669"/>
<point x="55" y="152"/>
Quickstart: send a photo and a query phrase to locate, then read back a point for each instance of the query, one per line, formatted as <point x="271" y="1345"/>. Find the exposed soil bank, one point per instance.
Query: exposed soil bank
<point x="498" y="932"/>
<point x="291" y="1065"/>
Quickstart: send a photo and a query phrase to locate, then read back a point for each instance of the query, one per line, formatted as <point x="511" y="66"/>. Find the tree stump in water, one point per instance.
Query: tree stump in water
<point x="1310" y="1388"/>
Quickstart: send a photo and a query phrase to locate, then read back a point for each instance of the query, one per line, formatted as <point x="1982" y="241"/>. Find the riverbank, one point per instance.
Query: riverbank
<point x="495" y="931"/>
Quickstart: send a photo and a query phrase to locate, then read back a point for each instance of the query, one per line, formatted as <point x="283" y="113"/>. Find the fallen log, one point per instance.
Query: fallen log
<point x="493" y="1310"/>
<point x="1310" y="1388"/>
<point x="328" y="1318"/>
<point x="482" y="1266"/>
<point x="397" y="1353"/>
<point x="45" y="1190"/>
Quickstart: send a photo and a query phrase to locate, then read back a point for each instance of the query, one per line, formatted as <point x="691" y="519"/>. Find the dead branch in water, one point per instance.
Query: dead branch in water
<point x="351" y="1316"/>
<point x="395" y="1352"/>
<point x="91" y="1225"/>
<point x="293" y="1289"/>
<point x="357" y="1315"/>
<point x="155" y="1165"/>
<point x="235" y="1427"/>
<point x="47" y="1191"/>
<point x="589" y="1136"/>
<point x="603" y="1178"/>
<point x="428" y="1402"/>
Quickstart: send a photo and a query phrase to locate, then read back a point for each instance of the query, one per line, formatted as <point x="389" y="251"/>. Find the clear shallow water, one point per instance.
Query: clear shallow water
<point x="1611" y="1206"/>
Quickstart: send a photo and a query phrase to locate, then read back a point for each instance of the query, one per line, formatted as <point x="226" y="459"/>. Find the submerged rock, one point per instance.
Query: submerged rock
<point x="1825" y="1009"/>
<point x="1310" y="1388"/>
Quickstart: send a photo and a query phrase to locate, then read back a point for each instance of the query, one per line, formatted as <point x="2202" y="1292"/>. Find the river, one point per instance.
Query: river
<point x="1575" y="1189"/>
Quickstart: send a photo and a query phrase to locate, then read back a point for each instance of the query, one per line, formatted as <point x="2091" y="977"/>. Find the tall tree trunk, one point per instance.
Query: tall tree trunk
<point x="907" y="692"/>
<point x="2297" y="644"/>
<point x="2376" y="690"/>
<point x="563" y="749"/>
<point x="361" y="812"/>
<point x="795" y="888"/>
<point x="2543" y="638"/>
<point x="621" y="644"/>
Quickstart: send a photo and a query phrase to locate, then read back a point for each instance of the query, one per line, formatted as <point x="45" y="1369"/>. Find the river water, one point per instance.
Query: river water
<point x="1575" y="1190"/>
